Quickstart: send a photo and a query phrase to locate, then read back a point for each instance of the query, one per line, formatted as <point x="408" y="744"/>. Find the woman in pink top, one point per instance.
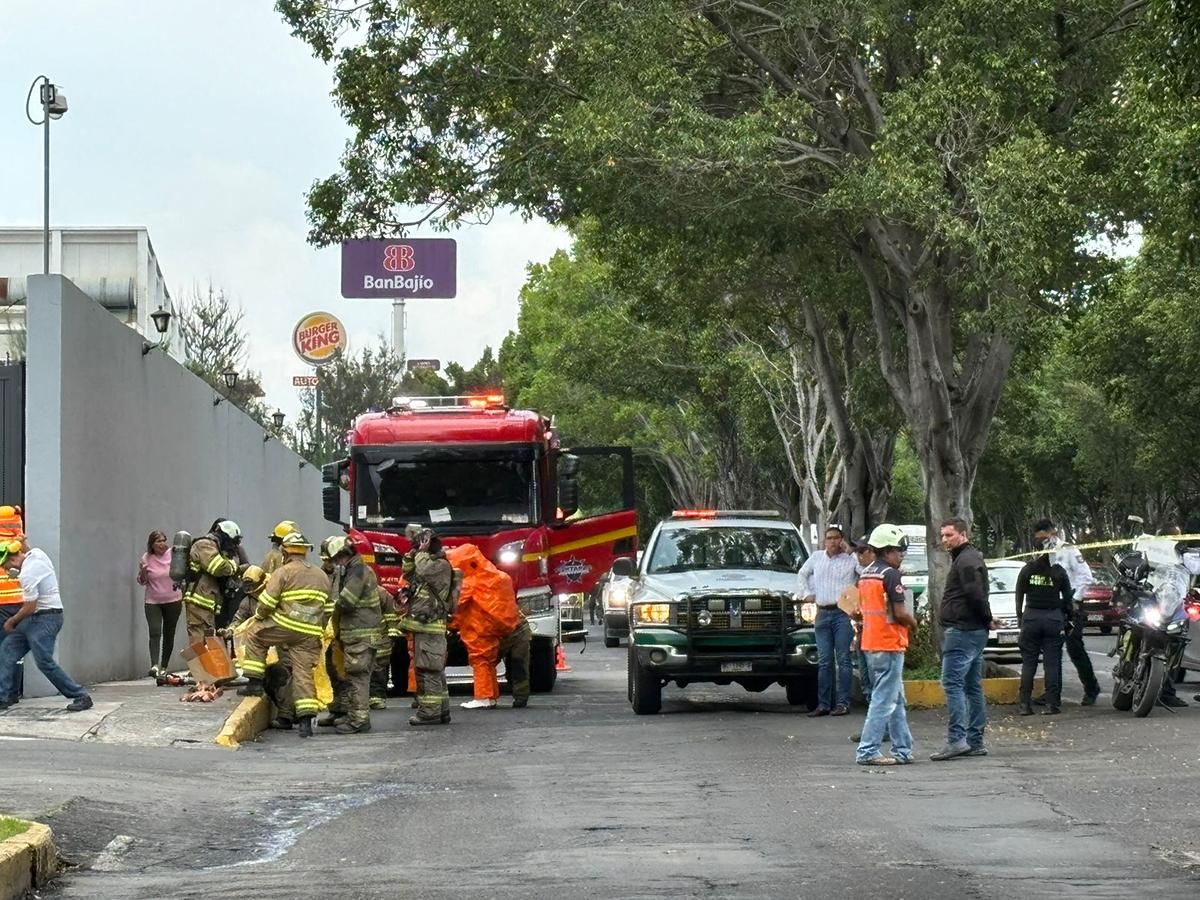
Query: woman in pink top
<point x="163" y="601"/>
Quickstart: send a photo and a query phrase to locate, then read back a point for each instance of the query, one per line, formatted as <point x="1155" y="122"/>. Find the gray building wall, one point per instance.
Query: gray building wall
<point x="119" y="444"/>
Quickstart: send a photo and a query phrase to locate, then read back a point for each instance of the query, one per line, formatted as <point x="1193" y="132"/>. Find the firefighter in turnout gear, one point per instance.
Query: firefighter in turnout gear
<point x="389" y="630"/>
<point x="356" y="620"/>
<point x="430" y="581"/>
<point x="292" y="613"/>
<point x="212" y="559"/>
<point x="275" y="556"/>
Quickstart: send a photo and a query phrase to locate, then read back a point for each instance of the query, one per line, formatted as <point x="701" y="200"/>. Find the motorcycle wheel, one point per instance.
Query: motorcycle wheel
<point x="1122" y="696"/>
<point x="1148" y="687"/>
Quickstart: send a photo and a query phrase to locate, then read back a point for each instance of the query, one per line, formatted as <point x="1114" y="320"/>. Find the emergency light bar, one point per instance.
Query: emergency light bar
<point x="726" y="514"/>
<point x="465" y="402"/>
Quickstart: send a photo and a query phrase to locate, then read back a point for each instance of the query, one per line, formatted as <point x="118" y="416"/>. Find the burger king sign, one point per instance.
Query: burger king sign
<point x="319" y="338"/>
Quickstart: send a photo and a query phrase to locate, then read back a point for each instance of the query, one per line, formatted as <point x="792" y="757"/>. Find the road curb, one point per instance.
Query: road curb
<point x="247" y="721"/>
<point x="998" y="691"/>
<point x="27" y="861"/>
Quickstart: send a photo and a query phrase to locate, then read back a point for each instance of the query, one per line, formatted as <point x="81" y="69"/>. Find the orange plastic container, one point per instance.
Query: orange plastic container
<point x="209" y="662"/>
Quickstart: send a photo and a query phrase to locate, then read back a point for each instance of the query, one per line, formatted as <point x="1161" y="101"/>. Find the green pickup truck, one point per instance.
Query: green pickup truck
<point x="714" y="600"/>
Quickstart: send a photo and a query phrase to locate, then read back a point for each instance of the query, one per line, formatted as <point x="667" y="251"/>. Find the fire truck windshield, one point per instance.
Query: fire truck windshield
<point x="445" y="486"/>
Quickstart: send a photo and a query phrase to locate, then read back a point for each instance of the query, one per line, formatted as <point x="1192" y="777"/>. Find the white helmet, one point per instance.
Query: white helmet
<point x="230" y="529"/>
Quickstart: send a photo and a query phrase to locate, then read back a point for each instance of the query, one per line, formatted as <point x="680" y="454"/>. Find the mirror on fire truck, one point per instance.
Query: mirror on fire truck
<point x="568" y="484"/>
<point x="332" y="477"/>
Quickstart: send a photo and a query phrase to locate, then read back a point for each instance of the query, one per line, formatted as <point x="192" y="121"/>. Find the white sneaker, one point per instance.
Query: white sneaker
<point x="479" y="704"/>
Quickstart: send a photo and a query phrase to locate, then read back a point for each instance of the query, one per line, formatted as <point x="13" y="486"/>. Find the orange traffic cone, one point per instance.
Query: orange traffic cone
<point x="560" y="660"/>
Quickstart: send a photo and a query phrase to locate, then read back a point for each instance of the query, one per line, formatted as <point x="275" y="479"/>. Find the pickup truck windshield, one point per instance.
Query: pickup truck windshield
<point x="445" y="486"/>
<point x="688" y="549"/>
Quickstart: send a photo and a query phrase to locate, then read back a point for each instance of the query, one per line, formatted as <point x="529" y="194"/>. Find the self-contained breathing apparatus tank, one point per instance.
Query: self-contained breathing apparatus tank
<point x="181" y="548"/>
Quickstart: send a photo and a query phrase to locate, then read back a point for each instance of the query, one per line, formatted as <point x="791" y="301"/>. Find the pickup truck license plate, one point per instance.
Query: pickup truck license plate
<point x="1007" y="637"/>
<point x="737" y="667"/>
<point x="1095" y="617"/>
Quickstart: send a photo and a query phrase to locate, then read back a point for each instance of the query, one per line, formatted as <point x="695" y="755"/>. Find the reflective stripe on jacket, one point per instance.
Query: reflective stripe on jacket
<point x="297" y="598"/>
<point x="207" y="566"/>
<point x="357" y="603"/>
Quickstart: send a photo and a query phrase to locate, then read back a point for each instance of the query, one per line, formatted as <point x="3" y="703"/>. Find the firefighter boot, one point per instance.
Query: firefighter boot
<point x="252" y="688"/>
<point x="347" y="727"/>
<point x="281" y="723"/>
<point x="331" y="719"/>
<point x="306" y="726"/>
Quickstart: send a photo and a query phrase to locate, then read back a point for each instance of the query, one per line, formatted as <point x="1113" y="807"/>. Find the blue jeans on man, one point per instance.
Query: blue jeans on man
<point x="887" y="713"/>
<point x="36" y="633"/>
<point x="834" y="634"/>
<point x="962" y="680"/>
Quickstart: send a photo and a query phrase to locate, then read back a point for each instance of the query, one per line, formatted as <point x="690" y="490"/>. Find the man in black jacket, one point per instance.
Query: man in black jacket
<point x="1044" y="606"/>
<point x="965" y="616"/>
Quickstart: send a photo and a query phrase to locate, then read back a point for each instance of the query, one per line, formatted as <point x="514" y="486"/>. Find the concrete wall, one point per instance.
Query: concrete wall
<point x="119" y="444"/>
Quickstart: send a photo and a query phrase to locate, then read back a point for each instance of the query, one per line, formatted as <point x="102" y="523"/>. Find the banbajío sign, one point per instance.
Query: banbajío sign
<point x="400" y="268"/>
<point x="320" y="338"/>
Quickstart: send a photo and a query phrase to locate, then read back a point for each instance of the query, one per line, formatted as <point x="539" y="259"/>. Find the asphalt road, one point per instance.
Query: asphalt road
<point x="725" y="794"/>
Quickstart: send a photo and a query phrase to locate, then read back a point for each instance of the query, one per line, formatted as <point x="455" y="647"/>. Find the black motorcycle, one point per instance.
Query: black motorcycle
<point x="1151" y="637"/>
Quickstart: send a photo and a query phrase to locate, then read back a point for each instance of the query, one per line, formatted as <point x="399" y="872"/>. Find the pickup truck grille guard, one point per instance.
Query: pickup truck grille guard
<point x="737" y="612"/>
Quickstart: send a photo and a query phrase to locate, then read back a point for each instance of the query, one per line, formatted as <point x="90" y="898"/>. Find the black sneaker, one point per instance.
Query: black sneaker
<point x="1051" y="711"/>
<point x="1173" y="701"/>
<point x="1089" y="698"/>
<point x="79" y="704"/>
<point x="1039" y="701"/>
<point x="977" y="751"/>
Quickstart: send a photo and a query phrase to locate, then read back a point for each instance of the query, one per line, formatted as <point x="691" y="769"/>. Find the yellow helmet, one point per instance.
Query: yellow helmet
<point x="283" y="529"/>
<point x="254" y="578"/>
<point x="295" y="543"/>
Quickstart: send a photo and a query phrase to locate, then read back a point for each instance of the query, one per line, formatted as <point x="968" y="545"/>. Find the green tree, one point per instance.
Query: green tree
<point x="954" y="151"/>
<point x="350" y="386"/>
<point x="215" y="336"/>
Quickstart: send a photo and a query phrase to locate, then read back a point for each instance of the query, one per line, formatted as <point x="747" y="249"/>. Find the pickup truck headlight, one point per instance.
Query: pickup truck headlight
<point x="652" y="613"/>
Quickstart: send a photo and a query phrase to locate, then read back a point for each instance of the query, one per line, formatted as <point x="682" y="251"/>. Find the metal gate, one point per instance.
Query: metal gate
<point x="12" y="434"/>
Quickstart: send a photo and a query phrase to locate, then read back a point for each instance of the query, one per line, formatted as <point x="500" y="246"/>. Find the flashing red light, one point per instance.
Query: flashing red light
<point x="694" y="514"/>
<point x="487" y="401"/>
<point x="1192" y="608"/>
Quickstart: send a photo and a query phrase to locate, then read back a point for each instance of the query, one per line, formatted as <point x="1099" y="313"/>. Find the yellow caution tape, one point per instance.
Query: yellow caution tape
<point x="1099" y="545"/>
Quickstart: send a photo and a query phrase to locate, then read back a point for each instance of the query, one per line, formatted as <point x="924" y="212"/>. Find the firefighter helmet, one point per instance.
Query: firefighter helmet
<point x="254" y="579"/>
<point x="296" y="543"/>
<point x="337" y="545"/>
<point x="283" y="529"/>
<point x="885" y="536"/>
<point x="230" y="529"/>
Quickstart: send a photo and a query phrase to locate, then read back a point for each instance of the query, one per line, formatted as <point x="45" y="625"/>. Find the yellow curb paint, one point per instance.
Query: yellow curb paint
<point x="999" y="691"/>
<point x="248" y="720"/>
<point x="27" y="861"/>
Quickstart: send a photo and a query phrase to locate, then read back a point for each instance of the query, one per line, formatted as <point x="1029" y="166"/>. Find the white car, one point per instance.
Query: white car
<point x="614" y="602"/>
<point x="1002" y="644"/>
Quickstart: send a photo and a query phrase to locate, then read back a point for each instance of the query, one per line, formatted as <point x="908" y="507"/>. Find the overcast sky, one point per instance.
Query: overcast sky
<point x="206" y="121"/>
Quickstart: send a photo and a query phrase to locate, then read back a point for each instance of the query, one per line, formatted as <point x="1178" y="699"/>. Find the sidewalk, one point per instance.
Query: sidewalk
<point x="125" y="712"/>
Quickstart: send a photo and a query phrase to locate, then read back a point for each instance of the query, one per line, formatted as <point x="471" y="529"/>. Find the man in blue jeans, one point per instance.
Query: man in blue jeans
<point x="823" y="577"/>
<point x="966" y="617"/>
<point x="34" y="627"/>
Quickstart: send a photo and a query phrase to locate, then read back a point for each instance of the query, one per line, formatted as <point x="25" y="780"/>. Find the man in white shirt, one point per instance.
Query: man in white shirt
<point x="35" y="627"/>
<point x="823" y="577"/>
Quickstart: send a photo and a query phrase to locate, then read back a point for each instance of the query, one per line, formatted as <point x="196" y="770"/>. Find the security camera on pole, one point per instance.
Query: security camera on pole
<point x="318" y="339"/>
<point x="400" y="269"/>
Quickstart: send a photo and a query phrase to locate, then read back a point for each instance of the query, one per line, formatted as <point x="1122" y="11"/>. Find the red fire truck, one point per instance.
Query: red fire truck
<point x="479" y="472"/>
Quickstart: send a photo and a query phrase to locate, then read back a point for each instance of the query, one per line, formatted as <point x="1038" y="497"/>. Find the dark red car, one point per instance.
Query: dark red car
<point x="1095" y="602"/>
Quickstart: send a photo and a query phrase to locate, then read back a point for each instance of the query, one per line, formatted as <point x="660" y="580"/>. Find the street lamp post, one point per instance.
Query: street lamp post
<point x="54" y="106"/>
